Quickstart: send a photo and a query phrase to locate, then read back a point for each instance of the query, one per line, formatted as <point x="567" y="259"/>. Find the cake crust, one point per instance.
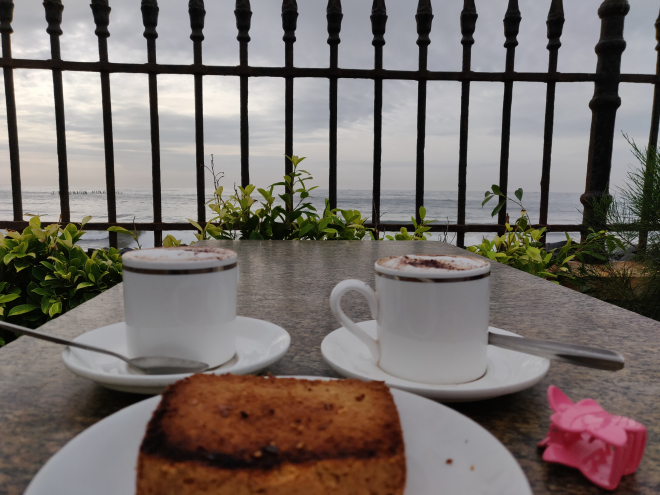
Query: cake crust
<point x="246" y="434"/>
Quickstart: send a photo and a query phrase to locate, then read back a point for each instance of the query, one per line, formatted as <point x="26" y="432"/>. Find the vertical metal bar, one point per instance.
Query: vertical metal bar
<point x="555" y="25"/>
<point x="197" y="13"/>
<point x="289" y="24"/>
<point x="468" y="24"/>
<point x="101" y="11"/>
<point x="378" y="22"/>
<point x="424" y="18"/>
<point x="512" y="20"/>
<point x="150" y="10"/>
<point x="334" y="16"/>
<point x="54" y="10"/>
<point x="604" y="105"/>
<point x="243" y="15"/>
<point x="652" y="152"/>
<point x="6" y="16"/>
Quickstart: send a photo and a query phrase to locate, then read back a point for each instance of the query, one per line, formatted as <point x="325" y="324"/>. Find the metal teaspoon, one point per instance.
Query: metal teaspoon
<point x="580" y="355"/>
<point x="150" y="365"/>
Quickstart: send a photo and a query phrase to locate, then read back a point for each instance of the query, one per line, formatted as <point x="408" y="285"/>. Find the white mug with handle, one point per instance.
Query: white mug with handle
<point x="432" y="313"/>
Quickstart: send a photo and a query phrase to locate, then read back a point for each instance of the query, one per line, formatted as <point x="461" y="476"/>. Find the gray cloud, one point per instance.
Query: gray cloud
<point x="131" y="117"/>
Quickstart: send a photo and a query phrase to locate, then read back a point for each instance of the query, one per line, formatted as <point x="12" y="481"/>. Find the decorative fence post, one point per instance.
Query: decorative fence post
<point x="378" y="21"/>
<point x="54" y="10"/>
<point x="289" y="24"/>
<point x="555" y="25"/>
<point x="6" y="16"/>
<point x="424" y="18"/>
<point x="652" y="153"/>
<point x="468" y="25"/>
<point x="197" y="13"/>
<point x="243" y="15"/>
<point x="101" y="11"/>
<point x="512" y="20"/>
<point x="604" y="105"/>
<point x="150" y="10"/>
<point x="334" y="16"/>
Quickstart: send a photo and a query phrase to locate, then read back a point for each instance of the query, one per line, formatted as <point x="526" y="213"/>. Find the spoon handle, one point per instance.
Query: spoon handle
<point x="50" y="338"/>
<point x="575" y="354"/>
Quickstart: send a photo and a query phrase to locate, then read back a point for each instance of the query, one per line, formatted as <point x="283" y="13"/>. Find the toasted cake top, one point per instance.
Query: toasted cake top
<point x="234" y="422"/>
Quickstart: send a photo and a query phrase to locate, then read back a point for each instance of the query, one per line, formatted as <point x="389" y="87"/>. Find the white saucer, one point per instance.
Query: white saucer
<point x="508" y="371"/>
<point x="258" y="344"/>
<point x="445" y="453"/>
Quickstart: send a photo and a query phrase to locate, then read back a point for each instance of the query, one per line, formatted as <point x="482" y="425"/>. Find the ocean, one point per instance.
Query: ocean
<point x="179" y="205"/>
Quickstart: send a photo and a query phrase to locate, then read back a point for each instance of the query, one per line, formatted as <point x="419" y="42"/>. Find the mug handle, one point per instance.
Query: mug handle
<point x="335" y="305"/>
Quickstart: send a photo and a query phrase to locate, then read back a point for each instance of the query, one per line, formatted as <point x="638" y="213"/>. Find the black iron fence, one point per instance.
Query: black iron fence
<point x="604" y="103"/>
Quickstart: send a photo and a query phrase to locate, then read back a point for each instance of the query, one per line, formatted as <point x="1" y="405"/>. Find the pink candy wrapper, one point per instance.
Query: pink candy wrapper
<point x="585" y="436"/>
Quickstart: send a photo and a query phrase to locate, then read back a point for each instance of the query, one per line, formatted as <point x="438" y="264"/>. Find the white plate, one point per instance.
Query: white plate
<point x="102" y="459"/>
<point x="508" y="371"/>
<point x="258" y="344"/>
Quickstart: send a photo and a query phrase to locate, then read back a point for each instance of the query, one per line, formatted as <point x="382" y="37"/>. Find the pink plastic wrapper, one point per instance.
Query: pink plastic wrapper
<point x="585" y="436"/>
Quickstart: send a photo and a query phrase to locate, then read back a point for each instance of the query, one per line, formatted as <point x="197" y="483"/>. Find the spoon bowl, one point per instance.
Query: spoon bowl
<point x="149" y="365"/>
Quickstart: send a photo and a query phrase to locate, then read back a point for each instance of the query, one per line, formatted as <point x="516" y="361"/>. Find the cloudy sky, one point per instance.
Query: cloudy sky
<point x="36" y="126"/>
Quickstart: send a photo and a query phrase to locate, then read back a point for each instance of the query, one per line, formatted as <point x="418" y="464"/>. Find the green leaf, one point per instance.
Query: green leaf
<point x="56" y="308"/>
<point x="196" y="225"/>
<point x="255" y="235"/>
<point x="42" y="292"/>
<point x="519" y="194"/>
<point x="21" y="309"/>
<point x="8" y="298"/>
<point x="82" y="285"/>
<point x="306" y="229"/>
<point x="496" y="189"/>
<point x="35" y="222"/>
<point x="120" y="230"/>
<point x="497" y="209"/>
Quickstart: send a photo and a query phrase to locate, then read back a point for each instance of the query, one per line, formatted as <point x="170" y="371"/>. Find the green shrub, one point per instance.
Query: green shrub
<point x="634" y="217"/>
<point x="420" y="230"/>
<point x="43" y="273"/>
<point x="521" y="246"/>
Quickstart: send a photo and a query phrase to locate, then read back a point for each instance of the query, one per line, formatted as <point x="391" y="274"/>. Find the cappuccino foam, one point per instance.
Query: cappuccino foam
<point x="429" y="264"/>
<point x="178" y="258"/>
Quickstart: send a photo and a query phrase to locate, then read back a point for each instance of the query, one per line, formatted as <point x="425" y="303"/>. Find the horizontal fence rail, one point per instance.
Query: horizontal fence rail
<point x="604" y="104"/>
<point x="452" y="227"/>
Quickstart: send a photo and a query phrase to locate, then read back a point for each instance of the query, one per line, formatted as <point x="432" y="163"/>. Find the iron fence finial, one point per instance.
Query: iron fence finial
<point x="101" y="11"/>
<point x="424" y="18"/>
<point x="54" y="10"/>
<point x="150" y="11"/>
<point x="512" y="20"/>
<point x="289" y="19"/>
<point x="334" y="16"/>
<point x="243" y="13"/>
<point x="378" y="22"/>
<point x="6" y="16"/>
<point x="468" y="22"/>
<point x="555" y="24"/>
<point x="197" y="12"/>
<point x="334" y="6"/>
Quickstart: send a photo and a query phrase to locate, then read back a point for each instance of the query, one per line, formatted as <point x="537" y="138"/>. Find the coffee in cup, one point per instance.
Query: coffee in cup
<point x="432" y="313"/>
<point x="181" y="302"/>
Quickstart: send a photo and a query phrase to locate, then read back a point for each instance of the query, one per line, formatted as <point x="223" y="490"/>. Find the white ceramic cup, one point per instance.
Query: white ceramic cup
<point x="432" y="314"/>
<point x="181" y="302"/>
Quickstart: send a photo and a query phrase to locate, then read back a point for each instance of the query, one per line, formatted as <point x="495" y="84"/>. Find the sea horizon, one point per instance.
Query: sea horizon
<point x="179" y="204"/>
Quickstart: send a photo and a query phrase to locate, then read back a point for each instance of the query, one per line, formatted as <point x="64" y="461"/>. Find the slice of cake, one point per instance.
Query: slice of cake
<point x="244" y="435"/>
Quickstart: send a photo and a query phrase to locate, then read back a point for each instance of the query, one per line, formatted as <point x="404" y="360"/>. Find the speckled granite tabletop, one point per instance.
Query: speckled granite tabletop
<point x="43" y="406"/>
